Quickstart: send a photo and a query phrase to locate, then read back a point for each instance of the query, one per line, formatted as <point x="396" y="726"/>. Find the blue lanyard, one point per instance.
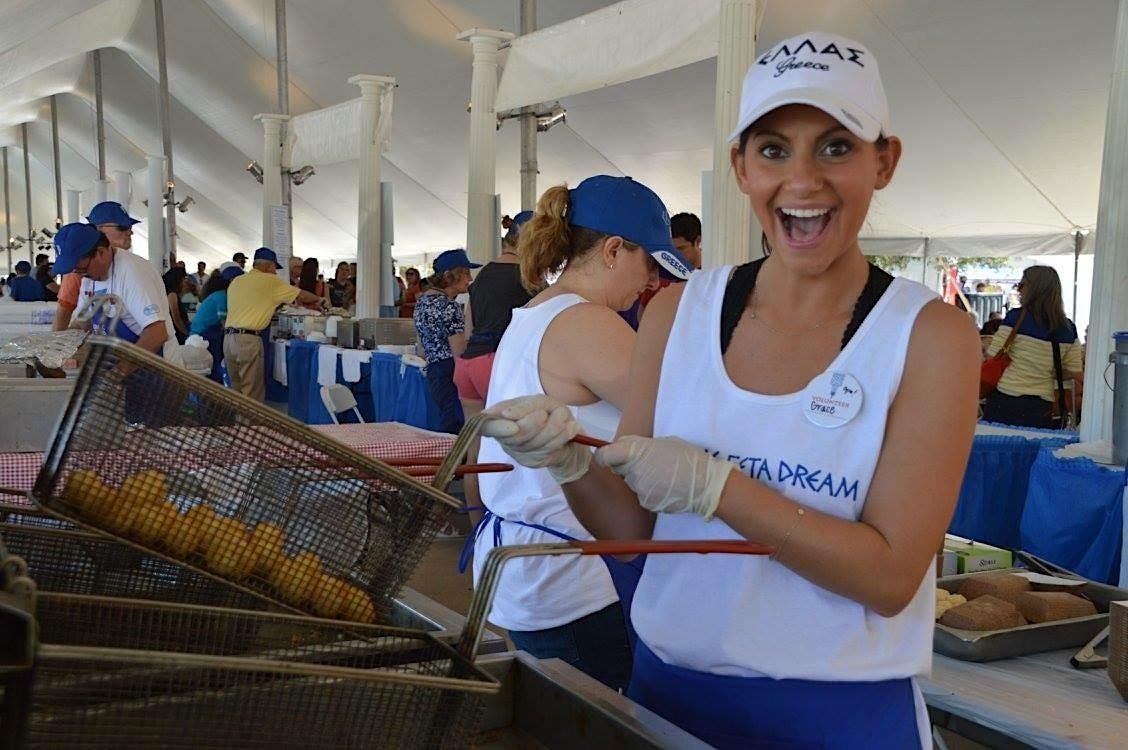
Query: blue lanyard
<point x="472" y="539"/>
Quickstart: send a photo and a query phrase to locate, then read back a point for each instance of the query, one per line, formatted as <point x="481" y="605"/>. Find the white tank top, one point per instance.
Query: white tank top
<point x="751" y="616"/>
<point x="538" y="592"/>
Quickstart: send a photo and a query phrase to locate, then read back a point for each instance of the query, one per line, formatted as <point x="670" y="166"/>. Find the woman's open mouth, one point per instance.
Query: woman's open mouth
<point x="804" y="227"/>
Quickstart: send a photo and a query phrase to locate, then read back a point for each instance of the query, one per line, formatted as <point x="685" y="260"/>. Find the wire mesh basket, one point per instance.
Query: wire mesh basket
<point x="176" y="465"/>
<point x="71" y="560"/>
<point x="127" y="673"/>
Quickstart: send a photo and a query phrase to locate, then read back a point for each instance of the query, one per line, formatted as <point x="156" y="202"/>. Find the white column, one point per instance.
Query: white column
<point x="481" y="226"/>
<point x="370" y="268"/>
<point x="1110" y="274"/>
<point x="101" y="191"/>
<point x="154" y="218"/>
<point x="74" y="206"/>
<point x="123" y="188"/>
<point x="272" y="181"/>
<point x="731" y="221"/>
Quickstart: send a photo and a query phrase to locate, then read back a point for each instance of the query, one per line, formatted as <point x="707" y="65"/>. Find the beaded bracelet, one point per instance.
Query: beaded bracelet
<point x="799" y="513"/>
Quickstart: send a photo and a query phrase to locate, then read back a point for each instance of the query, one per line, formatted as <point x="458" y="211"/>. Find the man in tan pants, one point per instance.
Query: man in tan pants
<point x="251" y="301"/>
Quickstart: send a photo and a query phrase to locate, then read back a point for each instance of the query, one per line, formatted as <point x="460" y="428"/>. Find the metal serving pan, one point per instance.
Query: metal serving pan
<point x="990" y="645"/>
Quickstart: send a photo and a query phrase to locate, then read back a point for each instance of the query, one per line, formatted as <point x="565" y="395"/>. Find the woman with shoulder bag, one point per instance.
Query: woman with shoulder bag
<point x="1027" y="391"/>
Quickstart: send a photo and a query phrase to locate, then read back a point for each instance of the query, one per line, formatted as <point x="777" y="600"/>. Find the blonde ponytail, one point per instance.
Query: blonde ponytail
<point x="547" y="242"/>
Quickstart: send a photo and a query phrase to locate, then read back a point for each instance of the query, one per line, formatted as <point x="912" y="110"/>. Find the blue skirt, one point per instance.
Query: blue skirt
<point x="768" y="714"/>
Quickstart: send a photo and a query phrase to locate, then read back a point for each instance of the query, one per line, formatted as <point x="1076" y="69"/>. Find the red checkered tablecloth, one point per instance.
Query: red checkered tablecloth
<point x="378" y="440"/>
<point x="383" y="440"/>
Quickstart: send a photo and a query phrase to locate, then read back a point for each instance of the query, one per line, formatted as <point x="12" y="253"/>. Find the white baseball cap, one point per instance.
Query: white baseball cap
<point x="830" y="72"/>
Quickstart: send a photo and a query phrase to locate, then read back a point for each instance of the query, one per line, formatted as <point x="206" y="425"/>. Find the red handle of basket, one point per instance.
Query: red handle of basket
<point x="417" y="470"/>
<point x="590" y="441"/>
<point x="646" y="546"/>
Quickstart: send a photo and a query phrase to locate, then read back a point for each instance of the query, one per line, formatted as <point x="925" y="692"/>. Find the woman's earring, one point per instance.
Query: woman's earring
<point x="610" y="266"/>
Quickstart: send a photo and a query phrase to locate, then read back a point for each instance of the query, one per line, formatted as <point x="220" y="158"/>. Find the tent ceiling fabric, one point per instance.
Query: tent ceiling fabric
<point x="1001" y="107"/>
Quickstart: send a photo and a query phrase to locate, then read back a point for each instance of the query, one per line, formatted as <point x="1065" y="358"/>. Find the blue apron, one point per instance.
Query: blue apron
<point x="624" y="575"/>
<point x="214" y="336"/>
<point x="768" y="714"/>
<point x="141" y="404"/>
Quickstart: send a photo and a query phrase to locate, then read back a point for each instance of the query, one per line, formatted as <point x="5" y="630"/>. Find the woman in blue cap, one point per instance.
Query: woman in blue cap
<point x="441" y="324"/>
<point x="607" y="239"/>
<point x="830" y="416"/>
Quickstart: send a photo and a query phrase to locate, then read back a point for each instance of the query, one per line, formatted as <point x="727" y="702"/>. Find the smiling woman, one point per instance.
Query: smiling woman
<point x="831" y="413"/>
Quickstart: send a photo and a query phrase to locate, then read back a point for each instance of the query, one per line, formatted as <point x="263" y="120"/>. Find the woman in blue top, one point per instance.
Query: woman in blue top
<point x="211" y="314"/>
<point x="441" y="324"/>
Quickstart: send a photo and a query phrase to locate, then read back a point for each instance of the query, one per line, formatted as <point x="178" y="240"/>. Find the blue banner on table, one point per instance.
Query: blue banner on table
<point x="1074" y="515"/>
<point x="304" y="403"/>
<point x="994" y="488"/>
<point x="385" y="385"/>
<point x="415" y="405"/>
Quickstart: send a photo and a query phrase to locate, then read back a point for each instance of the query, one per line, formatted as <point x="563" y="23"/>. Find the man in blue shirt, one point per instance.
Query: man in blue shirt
<point x="24" y="288"/>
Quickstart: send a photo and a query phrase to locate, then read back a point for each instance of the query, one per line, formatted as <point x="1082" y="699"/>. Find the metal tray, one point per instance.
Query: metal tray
<point x="991" y="645"/>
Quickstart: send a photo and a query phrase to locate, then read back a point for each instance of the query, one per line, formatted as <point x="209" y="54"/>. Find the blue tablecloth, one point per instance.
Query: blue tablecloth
<point x="994" y="489"/>
<point x="1074" y="515"/>
<point x="387" y="390"/>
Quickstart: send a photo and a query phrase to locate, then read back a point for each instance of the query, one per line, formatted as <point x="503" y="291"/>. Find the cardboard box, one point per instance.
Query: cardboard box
<point x="972" y="557"/>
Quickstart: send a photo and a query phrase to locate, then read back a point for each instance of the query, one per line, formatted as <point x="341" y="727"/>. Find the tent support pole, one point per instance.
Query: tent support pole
<point x="101" y="189"/>
<point x="1109" y="309"/>
<point x="1077" y="240"/>
<point x="924" y="264"/>
<point x="168" y="253"/>
<point x="283" y="67"/>
<point x="27" y="193"/>
<point x="7" y="209"/>
<point x="527" y="23"/>
<point x="55" y="155"/>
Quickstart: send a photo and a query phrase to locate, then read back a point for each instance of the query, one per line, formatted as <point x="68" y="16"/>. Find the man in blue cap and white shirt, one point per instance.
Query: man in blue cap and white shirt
<point x="106" y="268"/>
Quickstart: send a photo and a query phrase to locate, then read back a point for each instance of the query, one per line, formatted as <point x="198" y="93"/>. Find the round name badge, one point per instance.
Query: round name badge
<point x="832" y="399"/>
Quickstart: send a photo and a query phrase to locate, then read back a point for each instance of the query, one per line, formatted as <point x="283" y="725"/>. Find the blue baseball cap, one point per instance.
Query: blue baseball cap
<point x="620" y="206"/>
<point x="72" y="242"/>
<point x="23" y="267"/>
<point x="522" y="217"/>
<point x="111" y="212"/>
<point x="265" y="253"/>
<point x="452" y="259"/>
<point x="231" y="272"/>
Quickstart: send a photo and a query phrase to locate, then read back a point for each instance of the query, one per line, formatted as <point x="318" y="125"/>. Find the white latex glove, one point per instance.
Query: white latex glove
<point x="669" y="475"/>
<point x="537" y="432"/>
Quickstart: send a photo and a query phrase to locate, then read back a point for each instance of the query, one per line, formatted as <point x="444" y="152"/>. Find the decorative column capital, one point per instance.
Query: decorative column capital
<point x="485" y="41"/>
<point x="372" y="86"/>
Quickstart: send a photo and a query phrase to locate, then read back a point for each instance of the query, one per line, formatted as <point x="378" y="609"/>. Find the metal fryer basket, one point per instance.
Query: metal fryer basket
<point x="185" y="469"/>
<point x="125" y="673"/>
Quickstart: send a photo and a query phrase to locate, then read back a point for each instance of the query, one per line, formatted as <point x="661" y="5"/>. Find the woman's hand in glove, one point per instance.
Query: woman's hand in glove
<point x="537" y="432"/>
<point x="669" y="475"/>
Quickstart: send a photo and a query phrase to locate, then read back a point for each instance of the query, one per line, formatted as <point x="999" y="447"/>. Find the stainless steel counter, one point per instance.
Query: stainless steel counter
<point x="1035" y="701"/>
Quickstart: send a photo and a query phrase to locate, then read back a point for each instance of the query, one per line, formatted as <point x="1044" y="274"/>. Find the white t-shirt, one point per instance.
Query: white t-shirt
<point x="141" y="289"/>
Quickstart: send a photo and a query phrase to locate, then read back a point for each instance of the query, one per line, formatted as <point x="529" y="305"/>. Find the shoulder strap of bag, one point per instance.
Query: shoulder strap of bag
<point x="1060" y="380"/>
<point x="1014" y="332"/>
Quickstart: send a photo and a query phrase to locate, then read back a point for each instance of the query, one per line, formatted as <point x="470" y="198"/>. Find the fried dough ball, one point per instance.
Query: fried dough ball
<point x="119" y="515"/>
<point x="228" y="550"/>
<point x="152" y="523"/>
<point x="328" y="596"/>
<point x="266" y="546"/>
<point x="186" y="535"/>
<point x="147" y="487"/>
<point x="356" y="605"/>
<point x="84" y="490"/>
<point x="296" y="579"/>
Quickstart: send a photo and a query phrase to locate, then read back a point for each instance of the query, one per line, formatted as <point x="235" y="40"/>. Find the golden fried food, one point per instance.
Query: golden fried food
<point x="147" y="487"/>
<point x="84" y="490"/>
<point x="186" y="535"/>
<point x="119" y="515"/>
<point x="152" y="523"/>
<point x="328" y="596"/>
<point x="356" y="605"/>
<point x="266" y="546"/>
<point x="296" y="579"/>
<point x="228" y="549"/>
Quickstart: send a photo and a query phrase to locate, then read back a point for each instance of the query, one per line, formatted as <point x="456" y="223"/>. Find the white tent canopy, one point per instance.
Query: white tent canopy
<point x="1001" y="106"/>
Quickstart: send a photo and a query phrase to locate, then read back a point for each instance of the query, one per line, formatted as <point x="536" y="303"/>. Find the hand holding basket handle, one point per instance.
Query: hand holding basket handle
<point x="537" y="432"/>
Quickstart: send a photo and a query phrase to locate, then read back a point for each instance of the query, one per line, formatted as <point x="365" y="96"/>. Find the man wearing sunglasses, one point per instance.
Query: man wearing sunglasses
<point x="89" y="251"/>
